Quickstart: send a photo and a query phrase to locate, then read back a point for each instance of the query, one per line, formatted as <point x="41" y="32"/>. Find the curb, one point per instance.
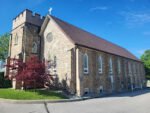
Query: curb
<point x="40" y="101"/>
<point x="59" y="101"/>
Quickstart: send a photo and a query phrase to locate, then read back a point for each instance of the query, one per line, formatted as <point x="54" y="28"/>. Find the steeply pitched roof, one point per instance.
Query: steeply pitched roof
<point x="84" y="38"/>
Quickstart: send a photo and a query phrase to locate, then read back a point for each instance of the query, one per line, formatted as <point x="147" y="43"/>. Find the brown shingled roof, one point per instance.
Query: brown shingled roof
<point x="84" y="38"/>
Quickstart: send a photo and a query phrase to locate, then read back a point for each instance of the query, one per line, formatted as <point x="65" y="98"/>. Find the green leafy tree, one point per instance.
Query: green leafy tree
<point x="4" y="45"/>
<point x="146" y="59"/>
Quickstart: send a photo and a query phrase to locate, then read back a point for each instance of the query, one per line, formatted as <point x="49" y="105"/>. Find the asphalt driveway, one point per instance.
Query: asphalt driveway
<point x="133" y="102"/>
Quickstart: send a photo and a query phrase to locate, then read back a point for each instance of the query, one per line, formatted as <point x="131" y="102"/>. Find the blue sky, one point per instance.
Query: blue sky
<point x="124" y="22"/>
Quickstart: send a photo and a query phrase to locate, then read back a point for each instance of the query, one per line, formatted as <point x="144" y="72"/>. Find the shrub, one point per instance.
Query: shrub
<point x="4" y="83"/>
<point x="7" y="84"/>
<point x="1" y="79"/>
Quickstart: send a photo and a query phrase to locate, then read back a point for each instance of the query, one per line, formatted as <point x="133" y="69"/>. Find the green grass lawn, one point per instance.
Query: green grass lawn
<point x="30" y="94"/>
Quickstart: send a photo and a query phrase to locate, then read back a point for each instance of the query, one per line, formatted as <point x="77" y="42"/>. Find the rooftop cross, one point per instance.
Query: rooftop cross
<point x="50" y="10"/>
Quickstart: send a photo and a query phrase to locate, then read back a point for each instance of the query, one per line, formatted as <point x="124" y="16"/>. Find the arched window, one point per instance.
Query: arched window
<point x="85" y="64"/>
<point x="119" y="66"/>
<point x="110" y="66"/>
<point x="34" y="47"/>
<point x="100" y="64"/>
<point x="16" y="40"/>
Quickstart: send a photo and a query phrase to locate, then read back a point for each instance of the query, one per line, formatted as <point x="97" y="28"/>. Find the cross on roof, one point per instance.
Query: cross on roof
<point x="50" y="10"/>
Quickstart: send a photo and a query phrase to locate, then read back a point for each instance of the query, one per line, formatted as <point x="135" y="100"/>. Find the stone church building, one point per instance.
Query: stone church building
<point x="83" y="63"/>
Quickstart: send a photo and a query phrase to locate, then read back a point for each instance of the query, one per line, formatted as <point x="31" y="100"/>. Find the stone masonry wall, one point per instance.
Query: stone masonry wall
<point x="123" y="81"/>
<point x="30" y="37"/>
<point x="16" y="48"/>
<point x="60" y="48"/>
<point x="29" y="17"/>
<point x="26" y="26"/>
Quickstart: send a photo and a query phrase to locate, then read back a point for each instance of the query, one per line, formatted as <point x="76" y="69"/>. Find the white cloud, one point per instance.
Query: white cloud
<point x="140" y="52"/>
<point x="136" y="18"/>
<point x="99" y="8"/>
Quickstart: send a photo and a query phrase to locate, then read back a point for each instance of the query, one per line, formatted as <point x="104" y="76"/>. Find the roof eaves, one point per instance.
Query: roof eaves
<point x="107" y="52"/>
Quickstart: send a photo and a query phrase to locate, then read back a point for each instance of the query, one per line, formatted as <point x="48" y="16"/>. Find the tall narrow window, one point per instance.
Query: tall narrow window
<point x="34" y="47"/>
<point x="85" y="64"/>
<point x="110" y="66"/>
<point x="16" y="40"/>
<point x="100" y="64"/>
<point x="119" y="66"/>
<point x="55" y="64"/>
<point x="129" y="67"/>
<point x="134" y="66"/>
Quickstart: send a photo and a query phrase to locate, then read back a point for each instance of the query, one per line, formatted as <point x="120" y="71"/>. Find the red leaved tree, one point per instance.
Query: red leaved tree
<point x="32" y="73"/>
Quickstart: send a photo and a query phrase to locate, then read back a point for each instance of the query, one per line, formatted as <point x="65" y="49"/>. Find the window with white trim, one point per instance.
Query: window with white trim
<point x="134" y="68"/>
<point x="129" y="68"/>
<point x="100" y="64"/>
<point x="110" y="66"/>
<point x="16" y="39"/>
<point x="119" y="66"/>
<point x="85" y="64"/>
<point x="34" y="47"/>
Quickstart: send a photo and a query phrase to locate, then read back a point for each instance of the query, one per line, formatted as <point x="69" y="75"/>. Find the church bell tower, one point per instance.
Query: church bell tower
<point x="25" y="40"/>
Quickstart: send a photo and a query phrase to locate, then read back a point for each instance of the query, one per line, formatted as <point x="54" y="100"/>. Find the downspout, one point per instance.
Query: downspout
<point x="75" y="48"/>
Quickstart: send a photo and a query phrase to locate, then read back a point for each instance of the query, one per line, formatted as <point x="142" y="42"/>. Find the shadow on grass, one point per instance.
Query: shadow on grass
<point x="48" y="93"/>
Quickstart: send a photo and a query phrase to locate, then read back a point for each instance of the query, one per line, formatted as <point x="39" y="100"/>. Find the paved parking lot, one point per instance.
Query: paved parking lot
<point x="135" y="102"/>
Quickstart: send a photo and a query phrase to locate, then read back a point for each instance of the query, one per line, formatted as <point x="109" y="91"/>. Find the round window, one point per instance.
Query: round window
<point x="49" y="37"/>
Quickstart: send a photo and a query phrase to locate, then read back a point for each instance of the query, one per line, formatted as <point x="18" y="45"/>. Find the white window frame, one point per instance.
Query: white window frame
<point x="100" y="64"/>
<point x="85" y="68"/>
<point x="119" y="66"/>
<point x="134" y="68"/>
<point x="36" y="49"/>
<point x="129" y="68"/>
<point x="110" y="65"/>
<point x="16" y="39"/>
